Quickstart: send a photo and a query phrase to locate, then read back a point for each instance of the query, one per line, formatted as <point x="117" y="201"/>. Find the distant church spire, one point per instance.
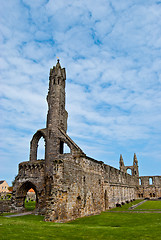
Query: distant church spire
<point x="135" y="161"/>
<point x="121" y="163"/>
<point x="121" y="159"/>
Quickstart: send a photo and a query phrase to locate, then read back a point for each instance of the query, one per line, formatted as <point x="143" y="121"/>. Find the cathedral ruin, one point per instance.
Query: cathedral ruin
<point x="72" y="185"/>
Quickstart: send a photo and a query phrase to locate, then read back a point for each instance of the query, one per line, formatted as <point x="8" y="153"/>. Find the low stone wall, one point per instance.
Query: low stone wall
<point x="5" y="196"/>
<point x="5" y="205"/>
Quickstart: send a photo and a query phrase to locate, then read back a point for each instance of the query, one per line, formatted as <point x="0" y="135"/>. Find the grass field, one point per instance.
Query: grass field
<point x="115" y="225"/>
<point x="126" y="206"/>
<point x="150" y="205"/>
<point x="30" y="205"/>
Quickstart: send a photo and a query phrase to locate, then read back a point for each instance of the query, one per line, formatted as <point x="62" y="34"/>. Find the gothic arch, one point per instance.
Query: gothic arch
<point x="150" y="181"/>
<point x="34" y="144"/>
<point x="22" y="191"/>
<point x="129" y="170"/>
<point x="62" y="142"/>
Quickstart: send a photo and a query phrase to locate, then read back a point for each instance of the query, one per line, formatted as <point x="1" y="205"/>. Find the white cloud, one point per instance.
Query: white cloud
<point x="111" y="51"/>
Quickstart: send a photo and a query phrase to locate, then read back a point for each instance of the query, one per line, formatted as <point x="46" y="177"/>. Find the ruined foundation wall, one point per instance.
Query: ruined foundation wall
<point x="5" y="205"/>
<point x="76" y="192"/>
<point x="120" y="186"/>
<point x="30" y="175"/>
<point x="83" y="186"/>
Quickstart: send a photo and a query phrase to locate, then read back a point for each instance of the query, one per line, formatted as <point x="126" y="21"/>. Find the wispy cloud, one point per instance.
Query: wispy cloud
<point x="111" y="52"/>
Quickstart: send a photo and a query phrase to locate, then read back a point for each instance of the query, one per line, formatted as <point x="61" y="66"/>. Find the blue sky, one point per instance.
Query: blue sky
<point x="112" y="54"/>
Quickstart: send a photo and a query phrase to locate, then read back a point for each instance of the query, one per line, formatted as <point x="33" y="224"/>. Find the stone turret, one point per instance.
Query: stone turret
<point x="57" y="115"/>
<point x="135" y="166"/>
<point x="135" y="161"/>
<point x="122" y="166"/>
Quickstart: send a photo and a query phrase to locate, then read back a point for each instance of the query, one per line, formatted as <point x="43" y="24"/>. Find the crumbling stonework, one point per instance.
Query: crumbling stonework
<point x="149" y="187"/>
<point x="69" y="185"/>
<point x="5" y="206"/>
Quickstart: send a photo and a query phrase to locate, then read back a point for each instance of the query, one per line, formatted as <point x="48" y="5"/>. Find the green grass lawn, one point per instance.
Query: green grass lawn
<point x="126" y="206"/>
<point x="107" y="225"/>
<point x="149" y="205"/>
<point x="30" y="205"/>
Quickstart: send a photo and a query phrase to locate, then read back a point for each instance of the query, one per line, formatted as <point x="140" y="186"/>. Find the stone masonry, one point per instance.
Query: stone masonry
<point x="72" y="185"/>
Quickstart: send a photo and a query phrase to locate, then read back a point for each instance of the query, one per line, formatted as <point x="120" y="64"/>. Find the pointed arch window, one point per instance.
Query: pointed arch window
<point x="150" y="181"/>
<point x="35" y="142"/>
<point x="64" y="148"/>
<point x="140" y="181"/>
<point x="41" y="149"/>
<point x="129" y="171"/>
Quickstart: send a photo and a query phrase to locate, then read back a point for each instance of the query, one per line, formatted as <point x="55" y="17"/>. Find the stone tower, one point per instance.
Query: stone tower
<point x="38" y="174"/>
<point x="135" y="166"/>
<point x="56" y="125"/>
<point x="57" y="115"/>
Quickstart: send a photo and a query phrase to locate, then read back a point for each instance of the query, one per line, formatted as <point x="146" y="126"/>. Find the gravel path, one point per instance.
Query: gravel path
<point x="138" y="204"/>
<point x="19" y="214"/>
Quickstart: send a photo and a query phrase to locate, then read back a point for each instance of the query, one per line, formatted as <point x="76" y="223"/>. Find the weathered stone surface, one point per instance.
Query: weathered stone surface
<point x="5" y="206"/>
<point x="149" y="187"/>
<point x="71" y="185"/>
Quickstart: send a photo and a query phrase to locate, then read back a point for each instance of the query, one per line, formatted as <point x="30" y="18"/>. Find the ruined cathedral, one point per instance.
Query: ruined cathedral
<point x="72" y="185"/>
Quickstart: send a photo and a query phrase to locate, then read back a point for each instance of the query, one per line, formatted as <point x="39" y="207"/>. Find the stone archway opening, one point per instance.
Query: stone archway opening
<point x="64" y="148"/>
<point x="150" y="181"/>
<point x="30" y="200"/>
<point x="140" y="183"/>
<point x="129" y="171"/>
<point x="27" y="197"/>
<point x="38" y="146"/>
<point x="41" y="148"/>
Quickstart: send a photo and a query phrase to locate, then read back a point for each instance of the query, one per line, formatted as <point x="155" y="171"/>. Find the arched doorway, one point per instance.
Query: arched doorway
<point x="22" y="196"/>
<point x="30" y="200"/>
